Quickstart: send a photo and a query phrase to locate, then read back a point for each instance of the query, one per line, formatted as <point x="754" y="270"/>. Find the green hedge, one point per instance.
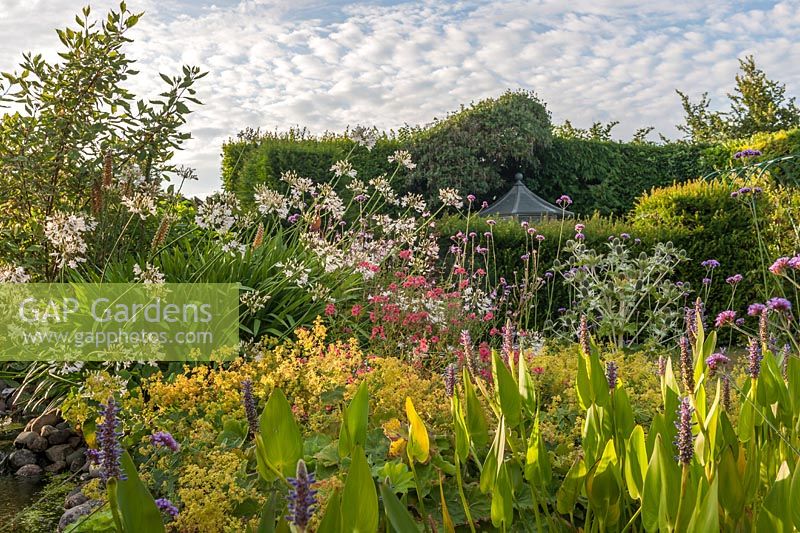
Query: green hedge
<point x="772" y="145"/>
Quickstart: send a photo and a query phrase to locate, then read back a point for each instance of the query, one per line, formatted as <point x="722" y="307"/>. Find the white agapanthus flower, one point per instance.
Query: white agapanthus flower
<point x="451" y="197"/>
<point x="149" y="275"/>
<point x="269" y="201"/>
<point x="11" y="274"/>
<point x="217" y="213"/>
<point x="65" y="233"/>
<point x="140" y="204"/>
<point x="402" y="157"/>
<point x="364" y="136"/>
<point x="343" y="168"/>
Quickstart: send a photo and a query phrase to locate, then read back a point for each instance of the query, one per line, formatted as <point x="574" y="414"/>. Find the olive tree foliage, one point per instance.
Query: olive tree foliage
<point x="64" y="120"/>
<point x="479" y="148"/>
<point x="758" y="104"/>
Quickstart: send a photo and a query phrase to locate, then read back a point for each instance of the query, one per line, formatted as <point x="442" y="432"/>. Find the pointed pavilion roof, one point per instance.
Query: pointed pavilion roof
<point x="521" y="202"/>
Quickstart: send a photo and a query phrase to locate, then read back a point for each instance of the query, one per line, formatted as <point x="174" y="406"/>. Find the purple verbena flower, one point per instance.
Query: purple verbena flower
<point x="579" y="228"/>
<point x="710" y="264"/>
<point x="580" y="236"/>
<point x="706" y="281"/>
<point x="747" y="153"/>
<point x="755" y="309"/>
<point x="564" y="201"/>
<point x="782" y="305"/>
<point x="685" y="440"/>
<point x="733" y="280"/>
<point x="624" y="236"/>
<point x="715" y="362"/>
<point x="166" y="507"/>
<point x="302" y="497"/>
<point x="540" y="237"/>
<point x="779" y="266"/>
<point x="725" y="318"/>
<point x="164" y="438"/>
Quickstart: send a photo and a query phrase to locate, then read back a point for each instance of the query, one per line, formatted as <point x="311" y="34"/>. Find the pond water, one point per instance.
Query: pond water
<point x="15" y="493"/>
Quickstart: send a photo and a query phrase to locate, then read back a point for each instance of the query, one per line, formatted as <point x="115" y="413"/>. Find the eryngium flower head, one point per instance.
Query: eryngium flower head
<point x="164" y="438"/>
<point x="167" y="507"/>
<point x="612" y="371"/>
<point x="450" y="379"/>
<point x="302" y="497"/>
<point x="685" y="441"/>
<point x="753" y="359"/>
<point x="250" y="407"/>
<point x="687" y="367"/>
<point x="108" y="436"/>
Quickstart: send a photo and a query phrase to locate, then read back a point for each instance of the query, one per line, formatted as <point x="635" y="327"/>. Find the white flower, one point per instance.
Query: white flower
<point x="414" y="201"/>
<point x="65" y="234"/>
<point x="364" y="137"/>
<point x="10" y="274"/>
<point x="234" y="247"/>
<point x="149" y="275"/>
<point x="330" y="202"/>
<point x="217" y="213"/>
<point x="269" y="201"/>
<point x="343" y="168"/>
<point x="254" y="301"/>
<point x="451" y="197"/>
<point x="402" y="157"/>
<point x="140" y="204"/>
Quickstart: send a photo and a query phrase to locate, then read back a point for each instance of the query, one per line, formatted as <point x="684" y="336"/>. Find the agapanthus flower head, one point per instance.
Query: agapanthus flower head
<point x="725" y="318"/>
<point x="685" y="440"/>
<point x="167" y="507"/>
<point x="612" y="373"/>
<point x="450" y="373"/>
<point x="755" y="309"/>
<point x="733" y="280"/>
<point x="710" y="264"/>
<point x="302" y="497"/>
<point x="250" y="407"/>
<point x="747" y="153"/>
<point x="564" y="201"/>
<point x="716" y="361"/>
<point x="164" y="438"/>
<point x="110" y="449"/>
<point x="781" y="305"/>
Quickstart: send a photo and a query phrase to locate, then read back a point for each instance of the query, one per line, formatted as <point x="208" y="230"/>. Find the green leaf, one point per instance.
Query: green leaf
<point x="705" y="516"/>
<point x="731" y="492"/>
<point x="661" y="493"/>
<point x="776" y="512"/>
<point x="476" y="419"/>
<point x="527" y="389"/>
<point x="603" y="486"/>
<point x="137" y="507"/>
<point x="570" y="489"/>
<point x="537" y="462"/>
<point x="635" y="463"/>
<point x="359" y="496"/>
<point x="502" y="510"/>
<point x="794" y="496"/>
<point x="280" y="443"/>
<point x="461" y="432"/>
<point x="396" y="512"/>
<point x="353" y="431"/>
<point x="507" y="391"/>
<point x="266" y="523"/>
<point x="418" y="447"/>
<point x="332" y="519"/>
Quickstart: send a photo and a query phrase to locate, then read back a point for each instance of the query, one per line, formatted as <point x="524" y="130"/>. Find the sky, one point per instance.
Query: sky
<point x="325" y="65"/>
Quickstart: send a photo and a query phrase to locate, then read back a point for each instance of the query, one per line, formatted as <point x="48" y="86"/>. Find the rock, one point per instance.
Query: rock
<point x="39" y="444"/>
<point x="79" y="453"/>
<point x="62" y="425"/>
<point x="59" y="436"/>
<point x="47" y="430"/>
<point x="25" y="439"/>
<point x="75" y="441"/>
<point x="76" y="512"/>
<point x="29" y="471"/>
<point x="2" y="406"/>
<point x="20" y="458"/>
<point x="7" y="392"/>
<point x="77" y="464"/>
<point x="55" y="468"/>
<point x="50" y="418"/>
<point x="75" y="499"/>
<point x="57" y="453"/>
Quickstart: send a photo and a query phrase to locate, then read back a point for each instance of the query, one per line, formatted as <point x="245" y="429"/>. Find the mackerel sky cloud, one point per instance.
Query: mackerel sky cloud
<point x="325" y="65"/>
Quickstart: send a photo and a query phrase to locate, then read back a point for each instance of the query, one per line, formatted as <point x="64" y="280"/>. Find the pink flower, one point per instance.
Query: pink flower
<point x="779" y="266"/>
<point x="725" y="318"/>
<point x="405" y="254"/>
<point x="330" y="309"/>
<point x="356" y="310"/>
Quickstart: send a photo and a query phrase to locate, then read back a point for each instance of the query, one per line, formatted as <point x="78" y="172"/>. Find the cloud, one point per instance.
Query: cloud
<point x="326" y="65"/>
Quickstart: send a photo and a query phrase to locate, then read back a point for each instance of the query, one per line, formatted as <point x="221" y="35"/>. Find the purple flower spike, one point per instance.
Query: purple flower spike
<point x="164" y="438"/>
<point x="747" y="153"/>
<point x="250" y="407"/>
<point x="108" y="436"/>
<point x="687" y="366"/>
<point x="753" y="359"/>
<point x="685" y="440"/>
<point x="583" y="336"/>
<point x="166" y="507"/>
<point x="450" y="379"/>
<point x="302" y="497"/>
<point x="612" y="373"/>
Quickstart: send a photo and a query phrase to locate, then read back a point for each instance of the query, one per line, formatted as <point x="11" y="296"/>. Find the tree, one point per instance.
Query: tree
<point x="596" y="132"/>
<point x="72" y="120"/>
<point x="479" y="148"/>
<point x="757" y="104"/>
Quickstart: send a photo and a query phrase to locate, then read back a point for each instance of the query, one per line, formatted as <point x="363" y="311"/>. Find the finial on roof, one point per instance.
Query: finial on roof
<point x="518" y="177"/>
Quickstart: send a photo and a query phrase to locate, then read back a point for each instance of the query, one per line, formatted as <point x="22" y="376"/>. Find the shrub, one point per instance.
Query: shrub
<point x="772" y="146"/>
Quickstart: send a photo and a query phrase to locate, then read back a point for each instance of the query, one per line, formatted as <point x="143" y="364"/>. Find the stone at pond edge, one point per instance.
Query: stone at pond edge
<point x="20" y="458"/>
<point x="39" y="444"/>
<point x="50" y="418"/>
<point x="75" y="441"/>
<point x="75" y="499"/>
<point x="25" y="439"/>
<point x="31" y="470"/>
<point x="55" y="468"/>
<point x="59" y="436"/>
<point x="58" y="453"/>
<point x="76" y="512"/>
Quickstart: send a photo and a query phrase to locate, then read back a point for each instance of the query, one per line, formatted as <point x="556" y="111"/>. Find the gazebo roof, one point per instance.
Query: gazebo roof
<point x="521" y="202"/>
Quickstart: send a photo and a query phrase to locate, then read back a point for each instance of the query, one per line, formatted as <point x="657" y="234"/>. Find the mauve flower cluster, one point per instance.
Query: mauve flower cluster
<point x="784" y="264"/>
<point x="753" y="359"/>
<point x="250" y="407"/>
<point x="744" y="191"/>
<point x="710" y="264"/>
<point x="450" y="379"/>
<point x="564" y="201"/>
<point x="167" y="507"/>
<point x="747" y="153"/>
<point x="108" y="435"/>
<point x="715" y="362"/>
<point x="733" y="280"/>
<point x="612" y="374"/>
<point x="725" y="318"/>
<point x="164" y="438"/>
<point x="781" y="305"/>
